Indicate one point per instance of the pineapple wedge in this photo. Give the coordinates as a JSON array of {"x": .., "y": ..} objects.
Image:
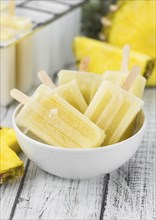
[
  {"x": 8, "y": 136},
  {"x": 11, "y": 167},
  {"x": 104, "y": 56},
  {"x": 134, "y": 23}
]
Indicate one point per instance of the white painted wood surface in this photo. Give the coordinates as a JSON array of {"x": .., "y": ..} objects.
[
  {"x": 128, "y": 193},
  {"x": 131, "y": 189}
]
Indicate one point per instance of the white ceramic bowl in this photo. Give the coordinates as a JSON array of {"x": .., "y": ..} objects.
[{"x": 79, "y": 163}]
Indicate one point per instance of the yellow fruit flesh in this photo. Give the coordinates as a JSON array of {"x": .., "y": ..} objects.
[
  {"x": 8, "y": 136},
  {"x": 134, "y": 23},
  {"x": 104, "y": 56},
  {"x": 11, "y": 166}
]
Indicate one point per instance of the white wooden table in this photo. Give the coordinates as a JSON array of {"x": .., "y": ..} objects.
[{"x": 127, "y": 193}]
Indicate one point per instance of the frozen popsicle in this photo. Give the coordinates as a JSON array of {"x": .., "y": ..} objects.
[
  {"x": 3, "y": 7},
  {"x": 22, "y": 27},
  {"x": 118, "y": 77},
  {"x": 69, "y": 91},
  {"x": 113, "y": 108},
  {"x": 20, "y": 24},
  {"x": 6, "y": 34},
  {"x": 7, "y": 63},
  {"x": 87, "y": 82},
  {"x": 55, "y": 121}
]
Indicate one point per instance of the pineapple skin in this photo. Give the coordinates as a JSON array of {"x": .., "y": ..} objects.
[
  {"x": 104, "y": 56},
  {"x": 133, "y": 22}
]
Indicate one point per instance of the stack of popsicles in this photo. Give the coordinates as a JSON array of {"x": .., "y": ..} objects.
[
  {"x": 85, "y": 110},
  {"x": 16, "y": 57}
]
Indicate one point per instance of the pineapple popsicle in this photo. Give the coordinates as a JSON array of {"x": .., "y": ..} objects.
[
  {"x": 24, "y": 60},
  {"x": 118, "y": 77},
  {"x": 55, "y": 121},
  {"x": 69, "y": 91},
  {"x": 87, "y": 82},
  {"x": 20, "y": 24},
  {"x": 113, "y": 109},
  {"x": 7, "y": 65}
]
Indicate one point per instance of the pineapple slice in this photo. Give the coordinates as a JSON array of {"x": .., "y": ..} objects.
[
  {"x": 8, "y": 136},
  {"x": 104, "y": 56},
  {"x": 132, "y": 22}
]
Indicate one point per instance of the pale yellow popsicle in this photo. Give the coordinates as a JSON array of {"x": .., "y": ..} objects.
[
  {"x": 20, "y": 24},
  {"x": 118, "y": 77},
  {"x": 6, "y": 34},
  {"x": 3, "y": 6},
  {"x": 58, "y": 123},
  {"x": 87, "y": 82},
  {"x": 113, "y": 109},
  {"x": 69, "y": 91}
]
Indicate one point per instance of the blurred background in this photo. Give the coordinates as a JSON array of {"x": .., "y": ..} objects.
[{"x": 54, "y": 34}]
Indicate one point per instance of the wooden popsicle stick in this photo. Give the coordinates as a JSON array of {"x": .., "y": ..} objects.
[
  {"x": 125, "y": 58},
  {"x": 106, "y": 22},
  {"x": 134, "y": 73},
  {"x": 12, "y": 8},
  {"x": 19, "y": 96},
  {"x": 45, "y": 79},
  {"x": 84, "y": 64}
]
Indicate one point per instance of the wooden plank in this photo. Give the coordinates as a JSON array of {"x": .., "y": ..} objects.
[
  {"x": 45, "y": 196},
  {"x": 7, "y": 112},
  {"x": 3, "y": 112},
  {"x": 9, "y": 191},
  {"x": 131, "y": 189}
]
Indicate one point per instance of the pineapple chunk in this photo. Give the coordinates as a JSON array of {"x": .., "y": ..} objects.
[
  {"x": 132, "y": 23},
  {"x": 104, "y": 56},
  {"x": 8, "y": 136}
]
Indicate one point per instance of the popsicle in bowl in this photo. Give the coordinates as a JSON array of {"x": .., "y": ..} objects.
[
  {"x": 55, "y": 121},
  {"x": 118, "y": 77},
  {"x": 69, "y": 91},
  {"x": 114, "y": 109},
  {"x": 87, "y": 82}
]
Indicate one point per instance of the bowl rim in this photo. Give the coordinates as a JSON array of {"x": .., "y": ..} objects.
[{"x": 58, "y": 148}]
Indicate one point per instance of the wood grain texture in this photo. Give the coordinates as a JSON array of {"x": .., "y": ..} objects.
[
  {"x": 6, "y": 116},
  {"x": 45, "y": 196},
  {"x": 9, "y": 191},
  {"x": 131, "y": 189},
  {"x": 9, "y": 194}
]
